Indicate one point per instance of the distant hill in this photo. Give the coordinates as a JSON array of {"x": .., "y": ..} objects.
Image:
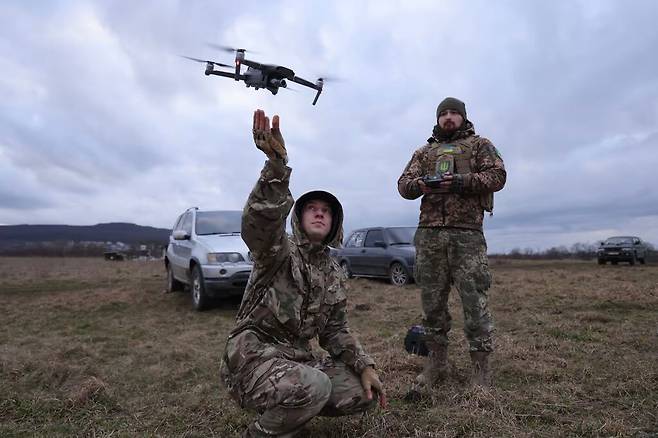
[{"x": 110, "y": 232}]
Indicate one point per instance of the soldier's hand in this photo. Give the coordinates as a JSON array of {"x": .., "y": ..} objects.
[
  {"x": 446, "y": 182},
  {"x": 370, "y": 381},
  {"x": 270, "y": 141},
  {"x": 429, "y": 190}
]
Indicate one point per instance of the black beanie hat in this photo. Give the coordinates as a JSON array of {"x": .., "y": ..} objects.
[{"x": 452, "y": 104}]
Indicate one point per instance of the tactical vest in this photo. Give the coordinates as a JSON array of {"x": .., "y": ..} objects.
[{"x": 455, "y": 157}]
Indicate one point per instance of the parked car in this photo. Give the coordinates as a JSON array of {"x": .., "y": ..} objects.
[
  {"x": 386, "y": 252},
  {"x": 622, "y": 249},
  {"x": 207, "y": 254}
]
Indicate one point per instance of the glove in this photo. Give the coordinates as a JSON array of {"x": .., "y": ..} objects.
[
  {"x": 457, "y": 185},
  {"x": 270, "y": 141}
]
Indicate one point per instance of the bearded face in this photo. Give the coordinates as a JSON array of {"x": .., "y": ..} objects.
[{"x": 450, "y": 120}]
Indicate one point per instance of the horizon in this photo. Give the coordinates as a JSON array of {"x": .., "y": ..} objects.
[{"x": 523, "y": 250}]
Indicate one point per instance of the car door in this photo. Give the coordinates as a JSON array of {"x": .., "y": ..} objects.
[
  {"x": 183, "y": 248},
  {"x": 352, "y": 252},
  {"x": 374, "y": 255},
  {"x": 640, "y": 248}
]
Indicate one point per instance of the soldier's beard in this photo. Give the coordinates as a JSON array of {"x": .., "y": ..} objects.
[{"x": 449, "y": 126}]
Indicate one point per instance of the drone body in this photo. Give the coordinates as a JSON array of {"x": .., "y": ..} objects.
[{"x": 257, "y": 75}]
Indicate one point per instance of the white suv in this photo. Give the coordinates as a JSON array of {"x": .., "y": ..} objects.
[{"x": 207, "y": 254}]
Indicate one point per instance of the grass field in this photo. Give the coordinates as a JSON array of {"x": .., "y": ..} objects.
[{"x": 95, "y": 348}]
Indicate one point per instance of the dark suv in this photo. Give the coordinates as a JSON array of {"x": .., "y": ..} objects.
[
  {"x": 386, "y": 252},
  {"x": 622, "y": 249}
]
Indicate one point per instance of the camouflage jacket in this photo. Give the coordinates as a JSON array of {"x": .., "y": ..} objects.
[
  {"x": 482, "y": 172},
  {"x": 296, "y": 292}
]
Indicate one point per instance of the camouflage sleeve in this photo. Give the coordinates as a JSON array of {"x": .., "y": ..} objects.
[
  {"x": 408, "y": 181},
  {"x": 489, "y": 172},
  {"x": 337, "y": 339},
  {"x": 264, "y": 215}
]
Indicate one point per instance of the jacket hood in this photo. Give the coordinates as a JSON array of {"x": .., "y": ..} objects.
[{"x": 335, "y": 236}]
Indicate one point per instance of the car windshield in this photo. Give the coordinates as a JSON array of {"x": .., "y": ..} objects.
[
  {"x": 218, "y": 222},
  {"x": 401, "y": 235},
  {"x": 619, "y": 240}
]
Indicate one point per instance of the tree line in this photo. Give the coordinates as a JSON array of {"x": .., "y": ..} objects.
[{"x": 582, "y": 251}]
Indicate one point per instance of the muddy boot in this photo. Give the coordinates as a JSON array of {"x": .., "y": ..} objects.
[
  {"x": 435, "y": 370},
  {"x": 481, "y": 373},
  {"x": 436, "y": 365}
]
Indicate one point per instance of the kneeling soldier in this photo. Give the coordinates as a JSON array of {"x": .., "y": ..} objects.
[{"x": 295, "y": 293}]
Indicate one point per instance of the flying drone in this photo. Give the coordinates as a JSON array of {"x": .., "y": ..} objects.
[{"x": 257, "y": 75}]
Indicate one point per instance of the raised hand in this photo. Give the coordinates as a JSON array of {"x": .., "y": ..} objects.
[{"x": 270, "y": 141}]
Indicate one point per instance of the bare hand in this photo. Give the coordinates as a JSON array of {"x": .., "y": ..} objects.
[
  {"x": 270, "y": 141},
  {"x": 370, "y": 381}
]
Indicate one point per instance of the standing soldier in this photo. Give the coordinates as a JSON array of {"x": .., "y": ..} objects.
[
  {"x": 456, "y": 173},
  {"x": 296, "y": 292}
]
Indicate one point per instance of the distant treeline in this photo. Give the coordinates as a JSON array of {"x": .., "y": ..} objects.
[
  {"x": 77, "y": 249},
  {"x": 110, "y": 232},
  {"x": 82, "y": 241},
  {"x": 583, "y": 251}
]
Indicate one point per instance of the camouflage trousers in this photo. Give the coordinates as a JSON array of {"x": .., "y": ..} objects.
[
  {"x": 447, "y": 256},
  {"x": 287, "y": 394}
]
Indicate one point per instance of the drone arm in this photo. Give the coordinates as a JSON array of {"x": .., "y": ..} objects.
[
  {"x": 317, "y": 95},
  {"x": 226, "y": 74},
  {"x": 304, "y": 82}
]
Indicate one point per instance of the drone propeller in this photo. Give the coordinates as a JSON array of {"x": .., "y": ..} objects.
[
  {"x": 218, "y": 64},
  {"x": 229, "y": 49},
  {"x": 330, "y": 78}
]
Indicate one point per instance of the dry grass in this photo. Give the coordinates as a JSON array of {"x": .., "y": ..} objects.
[{"x": 94, "y": 348}]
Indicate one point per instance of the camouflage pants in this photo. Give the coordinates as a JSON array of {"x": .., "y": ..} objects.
[
  {"x": 287, "y": 394},
  {"x": 447, "y": 256}
]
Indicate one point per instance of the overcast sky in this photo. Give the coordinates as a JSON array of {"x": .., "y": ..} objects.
[{"x": 101, "y": 121}]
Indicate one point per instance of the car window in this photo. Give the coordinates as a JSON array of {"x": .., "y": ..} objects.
[
  {"x": 618, "y": 240},
  {"x": 355, "y": 240},
  {"x": 401, "y": 235},
  {"x": 218, "y": 222},
  {"x": 373, "y": 236},
  {"x": 187, "y": 223}
]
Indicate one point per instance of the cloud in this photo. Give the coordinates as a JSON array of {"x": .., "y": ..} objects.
[{"x": 101, "y": 120}]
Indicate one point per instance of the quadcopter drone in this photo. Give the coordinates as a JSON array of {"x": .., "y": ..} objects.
[{"x": 257, "y": 75}]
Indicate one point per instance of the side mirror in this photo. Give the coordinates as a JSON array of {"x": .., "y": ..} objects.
[
  {"x": 380, "y": 244},
  {"x": 180, "y": 235}
]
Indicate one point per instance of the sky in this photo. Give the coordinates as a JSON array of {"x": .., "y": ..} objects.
[{"x": 102, "y": 121}]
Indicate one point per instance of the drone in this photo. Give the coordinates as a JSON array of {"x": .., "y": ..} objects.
[{"x": 267, "y": 76}]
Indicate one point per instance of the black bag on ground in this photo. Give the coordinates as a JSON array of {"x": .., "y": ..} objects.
[{"x": 414, "y": 341}]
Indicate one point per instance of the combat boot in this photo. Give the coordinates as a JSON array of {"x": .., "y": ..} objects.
[
  {"x": 481, "y": 375},
  {"x": 434, "y": 370},
  {"x": 436, "y": 365}
]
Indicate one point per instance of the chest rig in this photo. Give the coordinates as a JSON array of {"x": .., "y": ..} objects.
[{"x": 455, "y": 157}]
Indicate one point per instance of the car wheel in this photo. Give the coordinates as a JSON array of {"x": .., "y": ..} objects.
[
  {"x": 642, "y": 261},
  {"x": 397, "y": 274},
  {"x": 199, "y": 298},
  {"x": 601, "y": 262},
  {"x": 346, "y": 269},
  {"x": 614, "y": 262},
  {"x": 173, "y": 285},
  {"x": 632, "y": 260}
]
